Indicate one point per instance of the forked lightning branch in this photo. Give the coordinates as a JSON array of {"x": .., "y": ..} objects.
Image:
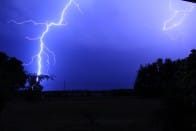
[
  {"x": 178, "y": 16},
  {"x": 44, "y": 52}
]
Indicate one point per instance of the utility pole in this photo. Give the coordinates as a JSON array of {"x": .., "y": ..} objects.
[{"x": 64, "y": 85}]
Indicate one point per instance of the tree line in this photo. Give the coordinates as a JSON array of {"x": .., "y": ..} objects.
[
  {"x": 167, "y": 78},
  {"x": 174, "y": 83}
]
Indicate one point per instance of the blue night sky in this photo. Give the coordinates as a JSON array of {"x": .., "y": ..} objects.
[{"x": 101, "y": 48}]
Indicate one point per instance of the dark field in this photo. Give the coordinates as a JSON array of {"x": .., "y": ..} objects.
[{"x": 82, "y": 114}]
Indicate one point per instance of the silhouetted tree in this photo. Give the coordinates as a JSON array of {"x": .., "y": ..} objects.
[
  {"x": 148, "y": 80},
  {"x": 168, "y": 78},
  {"x": 12, "y": 77},
  {"x": 34, "y": 81},
  {"x": 34, "y": 85},
  {"x": 175, "y": 82},
  {"x": 191, "y": 70}
]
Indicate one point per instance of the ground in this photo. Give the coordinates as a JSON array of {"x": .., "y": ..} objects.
[{"x": 81, "y": 114}]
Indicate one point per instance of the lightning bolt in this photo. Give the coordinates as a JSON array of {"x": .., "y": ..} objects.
[
  {"x": 43, "y": 49},
  {"x": 171, "y": 22}
]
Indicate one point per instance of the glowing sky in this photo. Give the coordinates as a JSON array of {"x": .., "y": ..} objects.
[{"x": 101, "y": 48}]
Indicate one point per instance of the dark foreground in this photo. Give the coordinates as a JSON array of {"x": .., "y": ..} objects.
[{"x": 82, "y": 114}]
